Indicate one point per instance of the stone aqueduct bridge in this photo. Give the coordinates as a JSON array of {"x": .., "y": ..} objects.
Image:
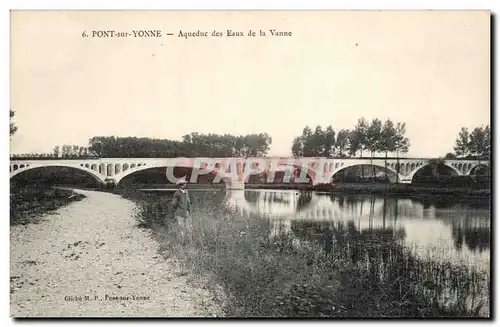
[{"x": 318, "y": 170}]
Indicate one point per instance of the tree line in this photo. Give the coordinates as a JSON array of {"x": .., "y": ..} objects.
[
  {"x": 192, "y": 145},
  {"x": 64, "y": 151},
  {"x": 13, "y": 127},
  {"x": 472, "y": 145},
  {"x": 374, "y": 137}
]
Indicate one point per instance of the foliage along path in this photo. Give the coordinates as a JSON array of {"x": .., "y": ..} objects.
[{"x": 94, "y": 248}]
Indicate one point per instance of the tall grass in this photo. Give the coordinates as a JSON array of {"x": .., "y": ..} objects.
[
  {"x": 385, "y": 278},
  {"x": 335, "y": 271}
]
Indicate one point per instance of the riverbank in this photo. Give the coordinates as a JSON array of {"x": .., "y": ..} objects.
[
  {"x": 94, "y": 248},
  {"x": 350, "y": 188},
  {"x": 375, "y": 188},
  {"x": 266, "y": 270},
  {"x": 29, "y": 203}
]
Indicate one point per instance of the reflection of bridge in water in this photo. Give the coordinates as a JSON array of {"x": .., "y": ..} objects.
[
  {"x": 460, "y": 227},
  {"x": 293, "y": 205}
]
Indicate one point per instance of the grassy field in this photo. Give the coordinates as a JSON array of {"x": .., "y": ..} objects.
[{"x": 335, "y": 271}]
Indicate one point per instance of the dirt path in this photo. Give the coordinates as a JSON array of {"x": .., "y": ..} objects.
[{"x": 93, "y": 248}]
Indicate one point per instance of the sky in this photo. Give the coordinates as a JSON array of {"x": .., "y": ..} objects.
[{"x": 430, "y": 69}]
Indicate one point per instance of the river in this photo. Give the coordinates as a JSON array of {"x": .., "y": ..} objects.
[
  {"x": 457, "y": 230},
  {"x": 447, "y": 234},
  {"x": 448, "y": 229}
]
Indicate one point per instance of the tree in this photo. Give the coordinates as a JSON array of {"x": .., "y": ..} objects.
[
  {"x": 450, "y": 155},
  {"x": 487, "y": 142},
  {"x": 257, "y": 144},
  {"x": 13, "y": 127},
  {"x": 56, "y": 151},
  {"x": 476, "y": 142},
  {"x": 462, "y": 145},
  {"x": 239, "y": 146},
  {"x": 360, "y": 130},
  {"x": 307, "y": 142},
  {"x": 96, "y": 145},
  {"x": 318, "y": 142},
  {"x": 388, "y": 138},
  {"x": 74, "y": 151},
  {"x": 354, "y": 142},
  {"x": 297, "y": 147},
  {"x": 401, "y": 144},
  {"x": 66, "y": 151},
  {"x": 373, "y": 139},
  {"x": 329, "y": 142},
  {"x": 479, "y": 142},
  {"x": 342, "y": 142}
]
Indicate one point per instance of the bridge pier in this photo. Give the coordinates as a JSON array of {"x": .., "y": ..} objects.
[{"x": 236, "y": 185}]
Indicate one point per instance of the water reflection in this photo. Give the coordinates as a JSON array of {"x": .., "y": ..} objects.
[
  {"x": 444, "y": 228},
  {"x": 474, "y": 234}
]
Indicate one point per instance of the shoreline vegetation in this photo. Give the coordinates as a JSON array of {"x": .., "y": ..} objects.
[
  {"x": 29, "y": 202},
  {"x": 389, "y": 189},
  {"x": 358, "y": 188},
  {"x": 338, "y": 271}
]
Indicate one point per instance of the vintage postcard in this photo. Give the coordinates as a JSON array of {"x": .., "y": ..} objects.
[{"x": 321, "y": 164}]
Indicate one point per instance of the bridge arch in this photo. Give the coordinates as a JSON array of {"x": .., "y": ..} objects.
[
  {"x": 476, "y": 167},
  {"x": 95, "y": 175},
  {"x": 455, "y": 170},
  {"x": 449, "y": 166},
  {"x": 134, "y": 169},
  {"x": 392, "y": 176}
]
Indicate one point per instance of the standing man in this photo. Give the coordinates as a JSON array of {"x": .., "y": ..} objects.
[{"x": 181, "y": 205}]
